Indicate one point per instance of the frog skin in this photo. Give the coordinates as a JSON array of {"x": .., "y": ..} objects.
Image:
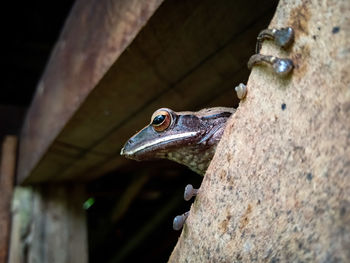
[{"x": 189, "y": 138}]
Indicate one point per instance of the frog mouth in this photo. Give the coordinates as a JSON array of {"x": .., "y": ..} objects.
[{"x": 159, "y": 141}]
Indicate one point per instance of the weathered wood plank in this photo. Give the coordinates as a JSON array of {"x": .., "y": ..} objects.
[
  {"x": 7, "y": 177},
  {"x": 95, "y": 34},
  {"x": 22, "y": 210},
  {"x": 49, "y": 225}
]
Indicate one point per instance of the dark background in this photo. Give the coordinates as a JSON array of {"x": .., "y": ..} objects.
[{"x": 31, "y": 29}]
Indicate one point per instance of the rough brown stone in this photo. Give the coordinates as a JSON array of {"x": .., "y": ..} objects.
[{"x": 278, "y": 188}]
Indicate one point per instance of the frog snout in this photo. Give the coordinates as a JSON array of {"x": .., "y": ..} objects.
[
  {"x": 128, "y": 147},
  {"x": 124, "y": 150}
]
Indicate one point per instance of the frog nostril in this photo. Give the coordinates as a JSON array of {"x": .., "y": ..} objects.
[
  {"x": 131, "y": 142},
  {"x": 126, "y": 148}
]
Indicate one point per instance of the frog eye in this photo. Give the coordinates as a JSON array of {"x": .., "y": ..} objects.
[{"x": 161, "y": 120}]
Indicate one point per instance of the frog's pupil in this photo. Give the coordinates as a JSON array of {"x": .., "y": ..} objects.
[{"x": 158, "y": 119}]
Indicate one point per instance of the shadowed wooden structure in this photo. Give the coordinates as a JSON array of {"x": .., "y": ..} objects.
[{"x": 7, "y": 177}]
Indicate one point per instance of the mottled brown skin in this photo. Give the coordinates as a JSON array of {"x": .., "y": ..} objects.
[{"x": 190, "y": 138}]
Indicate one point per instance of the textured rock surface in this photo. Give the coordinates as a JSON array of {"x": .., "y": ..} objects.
[{"x": 278, "y": 188}]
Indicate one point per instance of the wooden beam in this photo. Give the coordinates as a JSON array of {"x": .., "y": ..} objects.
[
  {"x": 189, "y": 53},
  {"x": 49, "y": 225},
  {"x": 95, "y": 34},
  {"x": 7, "y": 176}
]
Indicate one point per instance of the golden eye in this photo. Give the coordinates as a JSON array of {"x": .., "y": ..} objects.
[{"x": 161, "y": 120}]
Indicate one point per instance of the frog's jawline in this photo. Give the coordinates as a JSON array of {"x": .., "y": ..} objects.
[{"x": 162, "y": 140}]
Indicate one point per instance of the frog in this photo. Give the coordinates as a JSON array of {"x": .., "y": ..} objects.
[{"x": 188, "y": 137}]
